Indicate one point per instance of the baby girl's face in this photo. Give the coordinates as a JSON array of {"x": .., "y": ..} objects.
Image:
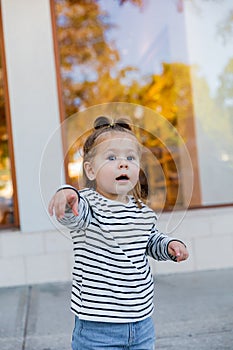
[{"x": 115, "y": 166}]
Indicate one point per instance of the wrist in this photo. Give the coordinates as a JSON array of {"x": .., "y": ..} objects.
[{"x": 68, "y": 187}]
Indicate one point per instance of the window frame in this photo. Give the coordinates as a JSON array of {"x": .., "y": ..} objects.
[{"x": 16, "y": 223}]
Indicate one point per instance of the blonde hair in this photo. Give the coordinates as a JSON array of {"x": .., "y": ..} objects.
[{"x": 104, "y": 125}]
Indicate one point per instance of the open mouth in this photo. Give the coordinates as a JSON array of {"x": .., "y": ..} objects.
[{"x": 122, "y": 178}]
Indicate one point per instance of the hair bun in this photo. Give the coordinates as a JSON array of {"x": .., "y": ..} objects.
[
  {"x": 101, "y": 122},
  {"x": 118, "y": 124},
  {"x": 124, "y": 122}
]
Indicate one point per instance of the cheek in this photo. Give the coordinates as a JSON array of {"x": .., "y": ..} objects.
[
  {"x": 136, "y": 169},
  {"x": 105, "y": 169}
]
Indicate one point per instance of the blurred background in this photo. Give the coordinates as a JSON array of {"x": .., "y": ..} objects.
[{"x": 170, "y": 65}]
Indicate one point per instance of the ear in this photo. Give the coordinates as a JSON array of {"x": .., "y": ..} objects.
[{"x": 89, "y": 171}]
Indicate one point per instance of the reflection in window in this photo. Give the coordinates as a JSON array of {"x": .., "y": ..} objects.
[
  {"x": 6, "y": 187},
  {"x": 114, "y": 51},
  {"x": 212, "y": 85},
  {"x": 136, "y": 51}
]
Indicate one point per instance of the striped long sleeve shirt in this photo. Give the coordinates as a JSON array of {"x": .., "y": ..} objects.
[{"x": 112, "y": 280}]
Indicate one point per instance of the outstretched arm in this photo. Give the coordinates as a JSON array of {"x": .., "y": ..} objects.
[
  {"x": 61, "y": 199},
  {"x": 70, "y": 208}
]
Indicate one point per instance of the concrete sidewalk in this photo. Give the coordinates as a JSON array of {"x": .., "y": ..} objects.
[{"x": 192, "y": 311}]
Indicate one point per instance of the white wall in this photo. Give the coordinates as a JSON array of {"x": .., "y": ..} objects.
[
  {"x": 208, "y": 234},
  {"x": 41, "y": 257},
  {"x": 34, "y": 106}
]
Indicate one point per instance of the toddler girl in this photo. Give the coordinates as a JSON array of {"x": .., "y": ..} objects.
[{"x": 113, "y": 232}]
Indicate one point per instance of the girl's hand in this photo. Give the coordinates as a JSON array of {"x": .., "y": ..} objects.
[
  {"x": 178, "y": 249},
  {"x": 57, "y": 204}
]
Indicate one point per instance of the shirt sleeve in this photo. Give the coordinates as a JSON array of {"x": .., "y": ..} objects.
[
  {"x": 157, "y": 246},
  {"x": 82, "y": 220}
]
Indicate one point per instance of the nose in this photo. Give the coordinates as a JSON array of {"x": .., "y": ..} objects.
[{"x": 123, "y": 164}]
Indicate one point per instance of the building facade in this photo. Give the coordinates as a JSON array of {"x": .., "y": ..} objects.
[{"x": 181, "y": 49}]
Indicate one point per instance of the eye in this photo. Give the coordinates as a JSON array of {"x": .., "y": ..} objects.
[
  {"x": 130, "y": 158},
  {"x": 111, "y": 157}
]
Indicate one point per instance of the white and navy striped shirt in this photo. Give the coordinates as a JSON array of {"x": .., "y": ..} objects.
[{"x": 112, "y": 280}]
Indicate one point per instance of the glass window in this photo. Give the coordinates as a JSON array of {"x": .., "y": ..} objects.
[
  {"x": 209, "y": 28},
  {"x": 143, "y": 52},
  {"x": 8, "y": 210}
]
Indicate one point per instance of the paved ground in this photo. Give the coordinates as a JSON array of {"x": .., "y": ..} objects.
[{"x": 193, "y": 311}]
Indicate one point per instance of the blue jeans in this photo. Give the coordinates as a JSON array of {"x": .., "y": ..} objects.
[{"x": 89, "y": 335}]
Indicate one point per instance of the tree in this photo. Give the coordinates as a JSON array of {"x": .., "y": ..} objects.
[{"x": 87, "y": 59}]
